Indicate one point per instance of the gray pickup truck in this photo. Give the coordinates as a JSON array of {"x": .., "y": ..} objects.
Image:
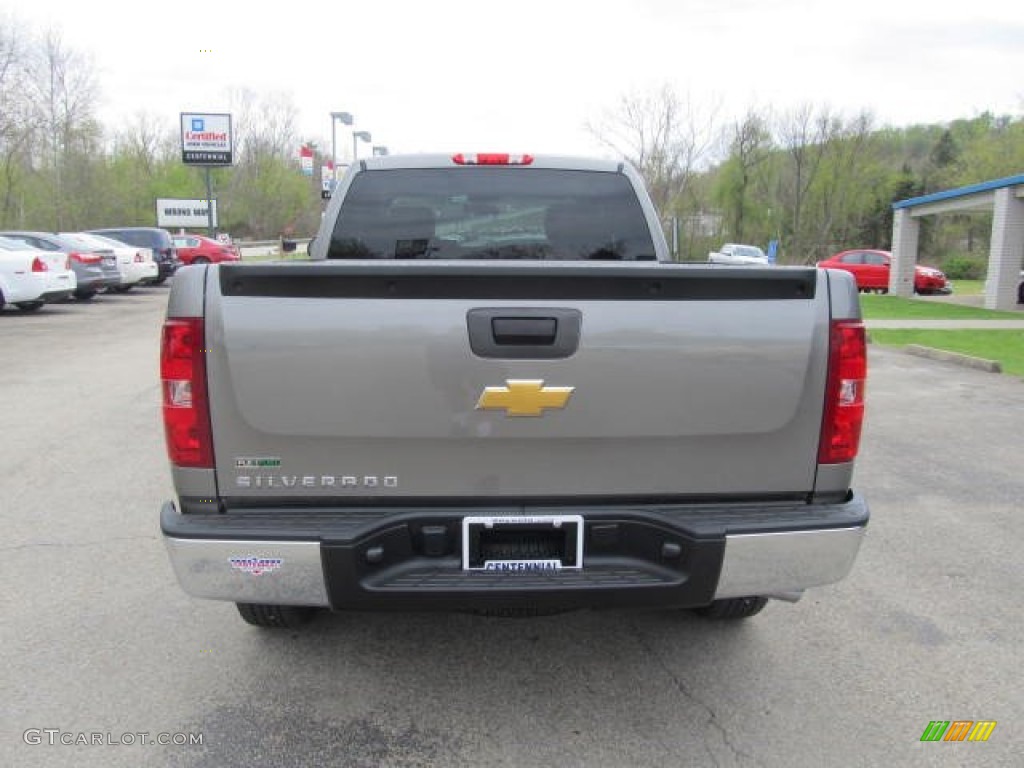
[{"x": 490, "y": 389}]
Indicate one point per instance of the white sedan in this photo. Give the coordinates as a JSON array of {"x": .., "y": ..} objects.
[
  {"x": 134, "y": 264},
  {"x": 739, "y": 256},
  {"x": 30, "y": 277}
]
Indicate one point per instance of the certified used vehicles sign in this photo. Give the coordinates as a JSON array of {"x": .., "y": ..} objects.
[{"x": 206, "y": 139}]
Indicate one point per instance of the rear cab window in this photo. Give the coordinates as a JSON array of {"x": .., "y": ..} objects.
[{"x": 491, "y": 213}]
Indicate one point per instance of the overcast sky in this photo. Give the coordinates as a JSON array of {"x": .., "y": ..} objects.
[{"x": 528, "y": 75}]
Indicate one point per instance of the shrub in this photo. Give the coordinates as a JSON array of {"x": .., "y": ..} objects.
[{"x": 964, "y": 267}]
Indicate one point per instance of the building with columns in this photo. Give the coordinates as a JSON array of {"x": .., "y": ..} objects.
[{"x": 1004, "y": 197}]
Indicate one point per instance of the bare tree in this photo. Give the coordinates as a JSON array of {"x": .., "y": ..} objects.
[
  {"x": 664, "y": 135},
  {"x": 263, "y": 125},
  {"x": 63, "y": 92},
  {"x": 141, "y": 150},
  {"x": 15, "y": 114},
  {"x": 144, "y": 140},
  {"x": 266, "y": 193},
  {"x": 803, "y": 136},
  {"x": 846, "y": 150}
]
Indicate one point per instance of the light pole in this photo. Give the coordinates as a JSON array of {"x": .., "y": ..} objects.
[
  {"x": 346, "y": 119},
  {"x": 357, "y": 135}
]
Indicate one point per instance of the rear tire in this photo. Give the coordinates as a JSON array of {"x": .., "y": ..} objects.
[
  {"x": 29, "y": 306},
  {"x": 275, "y": 616},
  {"x": 200, "y": 260},
  {"x": 733, "y": 608}
]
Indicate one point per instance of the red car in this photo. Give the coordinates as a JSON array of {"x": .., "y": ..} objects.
[
  {"x": 871, "y": 270},
  {"x": 197, "y": 249}
]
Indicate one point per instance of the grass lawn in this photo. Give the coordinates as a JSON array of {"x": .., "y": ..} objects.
[
  {"x": 968, "y": 287},
  {"x": 879, "y": 307},
  {"x": 1005, "y": 346}
]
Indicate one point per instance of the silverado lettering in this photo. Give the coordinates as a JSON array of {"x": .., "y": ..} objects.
[{"x": 310, "y": 481}]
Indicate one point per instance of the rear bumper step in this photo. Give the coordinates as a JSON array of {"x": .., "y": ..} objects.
[{"x": 409, "y": 560}]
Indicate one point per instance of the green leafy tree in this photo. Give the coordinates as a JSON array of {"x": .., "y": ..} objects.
[{"x": 743, "y": 177}]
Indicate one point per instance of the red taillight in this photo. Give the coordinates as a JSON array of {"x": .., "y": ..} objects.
[
  {"x": 183, "y": 383},
  {"x": 844, "y": 392},
  {"x": 85, "y": 258},
  {"x": 38, "y": 265},
  {"x": 491, "y": 158}
]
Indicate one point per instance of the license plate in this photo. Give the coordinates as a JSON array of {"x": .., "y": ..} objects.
[
  {"x": 511, "y": 544},
  {"x": 108, "y": 261}
]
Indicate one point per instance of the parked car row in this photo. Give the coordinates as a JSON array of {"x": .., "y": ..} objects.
[
  {"x": 40, "y": 267},
  {"x": 158, "y": 241}
]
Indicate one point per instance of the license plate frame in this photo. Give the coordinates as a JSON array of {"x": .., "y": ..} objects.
[{"x": 480, "y": 532}]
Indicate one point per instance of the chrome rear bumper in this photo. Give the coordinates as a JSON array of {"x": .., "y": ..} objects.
[
  {"x": 774, "y": 564},
  {"x": 292, "y": 573},
  {"x": 659, "y": 556}
]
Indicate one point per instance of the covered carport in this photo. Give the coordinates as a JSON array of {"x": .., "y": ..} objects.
[{"x": 1004, "y": 197}]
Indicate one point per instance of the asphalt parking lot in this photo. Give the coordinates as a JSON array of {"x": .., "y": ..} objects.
[{"x": 97, "y": 638}]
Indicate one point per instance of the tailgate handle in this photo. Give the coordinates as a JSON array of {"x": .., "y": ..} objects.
[
  {"x": 524, "y": 333},
  {"x": 524, "y": 330}
]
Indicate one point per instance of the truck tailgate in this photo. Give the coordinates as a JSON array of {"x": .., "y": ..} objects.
[{"x": 360, "y": 380}]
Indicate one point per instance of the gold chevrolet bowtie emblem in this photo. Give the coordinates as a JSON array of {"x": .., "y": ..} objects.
[{"x": 524, "y": 397}]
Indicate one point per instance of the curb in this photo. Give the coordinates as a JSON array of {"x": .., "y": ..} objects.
[{"x": 978, "y": 363}]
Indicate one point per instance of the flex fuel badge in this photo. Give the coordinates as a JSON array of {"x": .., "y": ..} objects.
[{"x": 258, "y": 462}]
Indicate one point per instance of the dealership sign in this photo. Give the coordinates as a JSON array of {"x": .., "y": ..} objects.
[
  {"x": 206, "y": 139},
  {"x": 184, "y": 213},
  {"x": 306, "y": 160}
]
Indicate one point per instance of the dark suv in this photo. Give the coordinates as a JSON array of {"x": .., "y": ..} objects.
[{"x": 156, "y": 239}]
